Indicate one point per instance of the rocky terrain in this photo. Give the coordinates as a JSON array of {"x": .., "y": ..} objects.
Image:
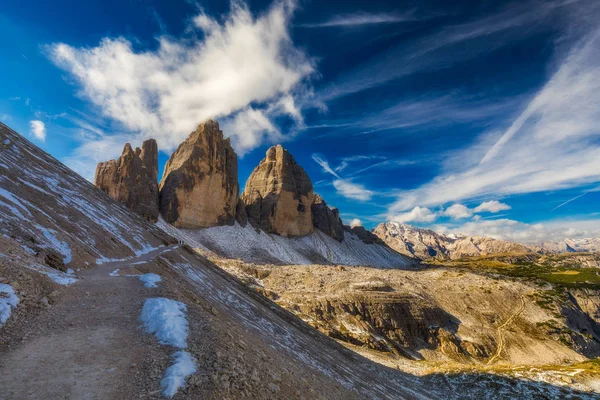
[
  {"x": 279, "y": 195},
  {"x": 132, "y": 179},
  {"x": 426, "y": 244},
  {"x": 199, "y": 186},
  {"x": 74, "y": 334},
  {"x": 257, "y": 246},
  {"x": 439, "y": 318},
  {"x": 98, "y": 302}
]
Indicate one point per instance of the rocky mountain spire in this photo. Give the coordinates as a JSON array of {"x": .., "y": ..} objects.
[
  {"x": 279, "y": 194},
  {"x": 327, "y": 219},
  {"x": 200, "y": 186},
  {"x": 132, "y": 178}
]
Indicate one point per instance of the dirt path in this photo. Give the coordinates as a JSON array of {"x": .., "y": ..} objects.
[
  {"x": 503, "y": 326},
  {"x": 87, "y": 346}
]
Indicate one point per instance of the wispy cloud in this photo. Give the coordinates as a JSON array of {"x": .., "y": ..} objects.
[
  {"x": 344, "y": 187},
  {"x": 352, "y": 190},
  {"x": 597, "y": 188},
  {"x": 244, "y": 68},
  {"x": 552, "y": 144},
  {"x": 361, "y": 19},
  {"x": 450, "y": 45},
  {"x": 325, "y": 165}
]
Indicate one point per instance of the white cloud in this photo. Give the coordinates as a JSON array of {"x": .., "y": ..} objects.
[
  {"x": 244, "y": 68},
  {"x": 352, "y": 190},
  {"x": 458, "y": 211},
  {"x": 38, "y": 129},
  {"x": 355, "y": 222},
  {"x": 508, "y": 229},
  {"x": 552, "y": 145},
  {"x": 5, "y": 117},
  {"x": 361, "y": 18},
  {"x": 417, "y": 214},
  {"x": 492, "y": 206}
]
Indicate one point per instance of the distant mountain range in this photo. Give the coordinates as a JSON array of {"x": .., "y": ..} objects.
[{"x": 426, "y": 244}]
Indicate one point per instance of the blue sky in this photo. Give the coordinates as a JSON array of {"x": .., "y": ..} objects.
[{"x": 480, "y": 117}]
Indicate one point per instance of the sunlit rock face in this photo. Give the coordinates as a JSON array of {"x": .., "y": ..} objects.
[
  {"x": 279, "y": 194},
  {"x": 200, "y": 187}
]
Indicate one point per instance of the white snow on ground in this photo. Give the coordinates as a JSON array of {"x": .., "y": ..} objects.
[
  {"x": 62, "y": 247},
  {"x": 317, "y": 248},
  {"x": 62, "y": 278},
  {"x": 138, "y": 253},
  {"x": 114, "y": 273},
  {"x": 166, "y": 319},
  {"x": 8, "y": 301},
  {"x": 150, "y": 280},
  {"x": 183, "y": 366}
]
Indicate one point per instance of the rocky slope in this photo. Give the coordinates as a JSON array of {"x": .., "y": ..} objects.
[
  {"x": 436, "y": 314},
  {"x": 199, "y": 187},
  {"x": 132, "y": 179},
  {"x": 426, "y": 244},
  {"x": 248, "y": 244},
  {"x": 83, "y": 339},
  {"x": 279, "y": 194},
  {"x": 571, "y": 245}
]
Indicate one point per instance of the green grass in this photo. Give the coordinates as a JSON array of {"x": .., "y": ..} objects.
[{"x": 561, "y": 270}]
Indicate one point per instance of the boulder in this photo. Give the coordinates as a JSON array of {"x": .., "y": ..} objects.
[
  {"x": 327, "y": 219},
  {"x": 199, "y": 188},
  {"x": 279, "y": 194},
  {"x": 132, "y": 179}
]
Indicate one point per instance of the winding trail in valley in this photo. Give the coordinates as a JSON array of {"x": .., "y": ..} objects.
[{"x": 503, "y": 327}]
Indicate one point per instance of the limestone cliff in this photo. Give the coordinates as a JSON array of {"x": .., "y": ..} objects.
[
  {"x": 279, "y": 195},
  {"x": 199, "y": 187},
  {"x": 132, "y": 179}
]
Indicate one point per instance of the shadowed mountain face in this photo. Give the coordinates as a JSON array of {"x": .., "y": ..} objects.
[{"x": 132, "y": 179}]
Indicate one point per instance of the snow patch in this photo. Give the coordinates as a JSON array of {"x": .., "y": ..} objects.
[
  {"x": 62, "y": 247},
  {"x": 166, "y": 319},
  {"x": 8, "y": 301},
  {"x": 150, "y": 280},
  {"x": 183, "y": 366},
  {"x": 63, "y": 278},
  {"x": 114, "y": 273}
]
